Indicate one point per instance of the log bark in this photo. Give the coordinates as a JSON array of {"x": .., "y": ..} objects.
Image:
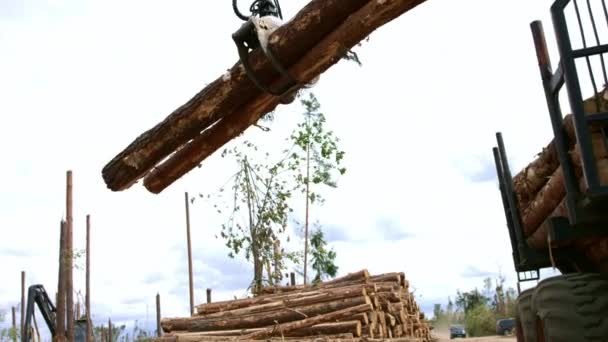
[
  {"x": 349, "y": 279},
  {"x": 538, "y": 239},
  {"x": 388, "y": 277},
  {"x": 326, "y": 53},
  {"x": 534, "y": 176},
  {"x": 227, "y": 93},
  {"x": 545, "y": 201},
  {"x": 308, "y": 322},
  {"x": 192, "y": 337},
  {"x": 353, "y": 327},
  {"x": 329, "y": 296},
  {"x": 257, "y": 320},
  {"x": 385, "y": 297},
  {"x": 344, "y": 329},
  {"x": 291, "y": 299}
]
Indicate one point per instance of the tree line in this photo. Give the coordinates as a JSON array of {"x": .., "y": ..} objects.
[{"x": 478, "y": 309}]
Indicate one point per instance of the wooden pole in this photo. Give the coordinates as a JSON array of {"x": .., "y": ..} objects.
[
  {"x": 189, "y": 255},
  {"x": 293, "y": 278},
  {"x": 70, "y": 259},
  {"x": 77, "y": 313},
  {"x": 22, "y": 301},
  {"x": 109, "y": 330},
  {"x": 14, "y": 325},
  {"x": 87, "y": 303},
  {"x": 307, "y": 213},
  {"x": 208, "y": 295},
  {"x": 61, "y": 285},
  {"x": 159, "y": 332}
]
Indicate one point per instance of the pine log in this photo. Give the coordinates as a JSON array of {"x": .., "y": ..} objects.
[
  {"x": 361, "y": 317},
  {"x": 546, "y": 200},
  {"x": 368, "y": 331},
  {"x": 341, "y": 327},
  {"x": 344, "y": 329},
  {"x": 256, "y": 320},
  {"x": 354, "y": 278},
  {"x": 535, "y": 175},
  {"x": 195, "y": 337},
  {"x": 224, "y": 95},
  {"x": 392, "y": 297},
  {"x": 538, "y": 239},
  {"x": 327, "y": 52},
  {"x": 292, "y": 298},
  {"x": 308, "y": 322},
  {"x": 390, "y": 277},
  {"x": 329, "y": 296},
  {"x": 387, "y": 286},
  {"x": 382, "y": 323}
]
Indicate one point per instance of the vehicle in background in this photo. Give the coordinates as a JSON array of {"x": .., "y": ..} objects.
[
  {"x": 505, "y": 326},
  {"x": 457, "y": 330}
]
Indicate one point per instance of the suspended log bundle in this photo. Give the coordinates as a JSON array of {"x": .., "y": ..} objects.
[
  {"x": 540, "y": 188},
  {"x": 358, "y": 306},
  {"x": 307, "y": 45}
]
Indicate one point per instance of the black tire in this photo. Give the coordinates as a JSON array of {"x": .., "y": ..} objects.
[
  {"x": 572, "y": 307},
  {"x": 525, "y": 317}
]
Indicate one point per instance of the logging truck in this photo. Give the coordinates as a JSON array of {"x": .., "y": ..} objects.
[{"x": 556, "y": 208}]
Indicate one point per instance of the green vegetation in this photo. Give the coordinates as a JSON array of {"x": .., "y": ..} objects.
[
  {"x": 323, "y": 260},
  {"x": 478, "y": 310},
  {"x": 260, "y": 195},
  {"x": 8, "y": 334}
]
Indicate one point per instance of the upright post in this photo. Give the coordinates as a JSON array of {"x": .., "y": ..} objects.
[
  {"x": 208, "y": 295},
  {"x": 87, "y": 300},
  {"x": 189, "y": 255},
  {"x": 22, "y": 301},
  {"x": 293, "y": 278},
  {"x": 61, "y": 284},
  {"x": 14, "y": 325},
  {"x": 109, "y": 330},
  {"x": 70, "y": 259},
  {"x": 158, "y": 329}
]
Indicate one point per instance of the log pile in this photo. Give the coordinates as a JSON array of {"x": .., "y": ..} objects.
[
  {"x": 357, "y": 306},
  {"x": 540, "y": 189},
  {"x": 307, "y": 45}
]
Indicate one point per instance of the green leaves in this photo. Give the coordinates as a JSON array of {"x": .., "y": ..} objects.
[
  {"x": 257, "y": 198},
  {"x": 316, "y": 158},
  {"x": 323, "y": 260}
]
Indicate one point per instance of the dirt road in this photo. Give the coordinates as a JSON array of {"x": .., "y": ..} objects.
[{"x": 446, "y": 338}]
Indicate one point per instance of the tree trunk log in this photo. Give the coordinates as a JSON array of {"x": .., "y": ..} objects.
[
  {"x": 262, "y": 319},
  {"x": 194, "y": 337},
  {"x": 308, "y": 322},
  {"x": 290, "y": 299},
  {"x": 330, "y": 296},
  {"x": 343, "y": 328},
  {"x": 534, "y": 176},
  {"x": 545, "y": 201},
  {"x": 538, "y": 239},
  {"x": 227, "y": 93},
  {"x": 349, "y": 279},
  {"x": 320, "y": 58},
  {"x": 353, "y": 327}
]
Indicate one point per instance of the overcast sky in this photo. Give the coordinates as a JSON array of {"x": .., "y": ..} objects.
[{"x": 79, "y": 80}]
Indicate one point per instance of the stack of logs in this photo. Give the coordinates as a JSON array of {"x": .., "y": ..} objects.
[
  {"x": 354, "y": 307},
  {"x": 540, "y": 188}
]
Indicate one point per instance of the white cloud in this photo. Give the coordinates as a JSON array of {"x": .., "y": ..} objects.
[{"x": 80, "y": 80}]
